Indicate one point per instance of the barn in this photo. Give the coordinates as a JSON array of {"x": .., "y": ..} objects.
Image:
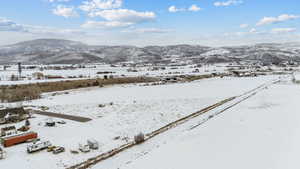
[{"x": 8, "y": 141}]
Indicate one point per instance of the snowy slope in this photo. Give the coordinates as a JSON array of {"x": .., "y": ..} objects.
[{"x": 56, "y": 51}]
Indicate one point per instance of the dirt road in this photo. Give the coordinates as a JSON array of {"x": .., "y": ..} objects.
[{"x": 62, "y": 116}]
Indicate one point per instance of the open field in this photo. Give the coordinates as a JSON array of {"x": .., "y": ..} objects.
[
  {"x": 99, "y": 71},
  {"x": 136, "y": 108},
  {"x": 226, "y": 104},
  {"x": 259, "y": 133},
  {"x": 92, "y": 71}
]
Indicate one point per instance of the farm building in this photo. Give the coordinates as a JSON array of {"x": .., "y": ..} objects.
[
  {"x": 10, "y": 130},
  {"x": 38, "y": 75},
  {"x": 8, "y": 115},
  {"x": 12, "y": 140}
]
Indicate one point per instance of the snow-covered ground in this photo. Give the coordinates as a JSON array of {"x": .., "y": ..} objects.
[
  {"x": 135, "y": 109},
  {"x": 262, "y": 132},
  {"x": 91, "y": 72}
]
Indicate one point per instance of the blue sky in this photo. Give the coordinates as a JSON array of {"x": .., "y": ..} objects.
[{"x": 151, "y": 22}]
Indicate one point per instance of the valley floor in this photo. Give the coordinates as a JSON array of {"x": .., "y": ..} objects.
[
  {"x": 258, "y": 133},
  {"x": 262, "y": 132}
]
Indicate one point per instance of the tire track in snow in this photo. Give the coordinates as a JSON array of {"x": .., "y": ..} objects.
[{"x": 241, "y": 98}]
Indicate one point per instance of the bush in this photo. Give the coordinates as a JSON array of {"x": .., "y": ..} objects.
[
  {"x": 140, "y": 138},
  {"x": 22, "y": 92}
]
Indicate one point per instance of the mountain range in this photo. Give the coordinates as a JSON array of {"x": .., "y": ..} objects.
[{"x": 57, "y": 51}]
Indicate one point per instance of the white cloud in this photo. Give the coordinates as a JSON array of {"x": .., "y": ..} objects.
[
  {"x": 51, "y": 31},
  {"x": 125, "y": 15},
  {"x": 281, "y": 18},
  {"x": 97, "y": 5},
  {"x": 117, "y": 18},
  {"x": 256, "y": 33},
  {"x": 175, "y": 9},
  {"x": 147, "y": 30},
  {"x": 228, "y": 3},
  {"x": 244, "y": 26},
  {"x": 64, "y": 11},
  {"x": 105, "y": 24},
  {"x": 283, "y": 30},
  {"x": 10, "y": 26},
  {"x": 114, "y": 16},
  {"x": 194, "y": 8},
  {"x": 253, "y": 30}
]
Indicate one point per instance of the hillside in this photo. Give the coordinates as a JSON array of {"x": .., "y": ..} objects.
[{"x": 56, "y": 51}]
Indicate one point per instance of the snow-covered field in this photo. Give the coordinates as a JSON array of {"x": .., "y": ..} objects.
[
  {"x": 91, "y": 72},
  {"x": 262, "y": 132},
  {"x": 135, "y": 109}
]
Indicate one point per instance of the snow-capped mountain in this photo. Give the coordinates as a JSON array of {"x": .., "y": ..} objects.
[{"x": 52, "y": 51}]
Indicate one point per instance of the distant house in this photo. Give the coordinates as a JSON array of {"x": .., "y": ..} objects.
[
  {"x": 38, "y": 75},
  {"x": 12, "y": 115}
]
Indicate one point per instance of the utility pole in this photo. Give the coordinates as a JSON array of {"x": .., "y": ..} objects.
[{"x": 20, "y": 70}]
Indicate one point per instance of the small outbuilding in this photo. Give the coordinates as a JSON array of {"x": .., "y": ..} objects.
[{"x": 38, "y": 75}]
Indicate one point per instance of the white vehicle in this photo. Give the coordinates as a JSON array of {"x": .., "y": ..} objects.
[
  {"x": 37, "y": 146},
  {"x": 84, "y": 148},
  {"x": 58, "y": 150},
  {"x": 93, "y": 144}
]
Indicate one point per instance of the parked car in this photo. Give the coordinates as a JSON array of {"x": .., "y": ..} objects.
[
  {"x": 84, "y": 148},
  {"x": 93, "y": 144},
  {"x": 38, "y": 146},
  {"x": 61, "y": 122},
  {"x": 50, "y": 122},
  {"x": 51, "y": 148},
  {"x": 58, "y": 150}
]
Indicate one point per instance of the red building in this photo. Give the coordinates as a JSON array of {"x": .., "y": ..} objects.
[{"x": 17, "y": 139}]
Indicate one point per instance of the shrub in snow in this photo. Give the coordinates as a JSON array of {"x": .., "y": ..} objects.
[{"x": 139, "y": 138}]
